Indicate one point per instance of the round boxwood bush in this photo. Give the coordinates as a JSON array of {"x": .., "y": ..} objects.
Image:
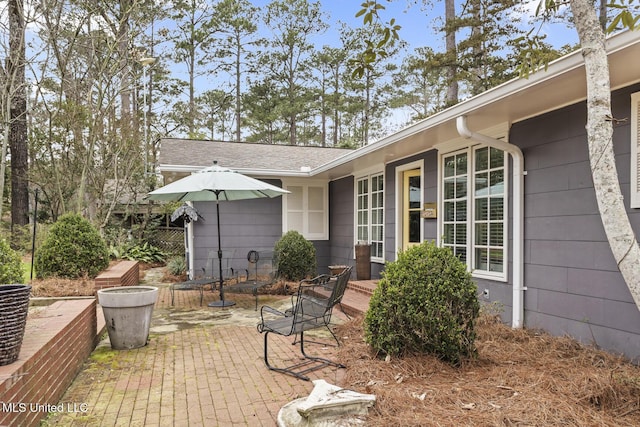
[
  {"x": 295, "y": 256},
  {"x": 10, "y": 265},
  {"x": 426, "y": 302},
  {"x": 72, "y": 249}
]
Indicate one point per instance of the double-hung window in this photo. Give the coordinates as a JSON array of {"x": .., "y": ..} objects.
[
  {"x": 370, "y": 213},
  {"x": 474, "y": 204}
]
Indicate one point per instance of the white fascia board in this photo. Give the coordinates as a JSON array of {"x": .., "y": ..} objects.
[{"x": 245, "y": 171}]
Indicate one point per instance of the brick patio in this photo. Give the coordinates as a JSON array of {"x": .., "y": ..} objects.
[{"x": 202, "y": 373}]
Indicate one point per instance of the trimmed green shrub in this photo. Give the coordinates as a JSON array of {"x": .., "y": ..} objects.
[
  {"x": 295, "y": 256},
  {"x": 10, "y": 265},
  {"x": 426, "y": 302},
  {"x": 73, "y": 248}
]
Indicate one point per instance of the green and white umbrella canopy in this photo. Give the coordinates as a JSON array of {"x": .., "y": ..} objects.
[{"x": 214, "y": 184}]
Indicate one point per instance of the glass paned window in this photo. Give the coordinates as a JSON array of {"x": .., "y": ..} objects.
[
  {"x": 370, "y": 213},
  {"x": 455, "y": 203},
  {"x": 474, "y": 222}
]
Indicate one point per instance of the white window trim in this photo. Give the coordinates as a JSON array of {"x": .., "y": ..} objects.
[
  {"x": 634, "y": 177},
  {"x": 324, "y": 235},
  {"x": 368, "y": 175},
  {"x": 480, "y": 274}
]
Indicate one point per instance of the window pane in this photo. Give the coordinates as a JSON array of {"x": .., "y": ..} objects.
[
  {"x": 294, "y": 199},
  {"x": 497, "y": 182},
  {"x": 497, "y": 208},
  {"x": 482, "y": 183},
  {"x": 363, "y": 234},
  {"x": 482, "y": 213},
  {"x": 481, "y": 234},
  {"x": 363, "y": 186},
  {"x": 482, "y": 259},
  {"x": 449, "y": 232},
  {"x": 496, "y": 260},
  {"x": 450, "y": 166},
  {"x": 378, "y": 183},
  {"x": 363, "y": 202},
  {"x": 376, "y": 234},
  {"x": 316, "y": 224},
  {"x": 461, "y": 252},
  {"x": 376, "y": 250},
  {"x": 461, "y": 187},
  {"x": 364, "y": 217},
  {"x": 461, "y": 164},
  {"x": 375, "y": 200},
  {"x": 461, "y": 211},
  {"x": 316, "y": 198},
  {"x": 414, "y": 226},
  {"x": 461, "y": 234},
  {"x": 497, "y": 234},
  {"x": 449, "y": 211},
  {"x": 449, "y": 189},
  {"x": 414, "y": 192},
  {"x": 295, "y": 221},
  {"x": 497, "y": 158},
  {"x": 482, "y": 159}
]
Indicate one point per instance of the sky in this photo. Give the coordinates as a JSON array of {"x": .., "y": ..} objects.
[{"x": 417, "y": 21}]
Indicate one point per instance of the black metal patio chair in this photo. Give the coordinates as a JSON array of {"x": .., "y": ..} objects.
[{"x": 311, "y": 308}]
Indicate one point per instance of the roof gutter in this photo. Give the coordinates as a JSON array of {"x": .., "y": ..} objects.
[{"x": 518, "y": 213}]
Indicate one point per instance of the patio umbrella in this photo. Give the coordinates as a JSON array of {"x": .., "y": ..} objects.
[
  {"x": 216, "y": 183},
  {"x": 187, "y": 213}
]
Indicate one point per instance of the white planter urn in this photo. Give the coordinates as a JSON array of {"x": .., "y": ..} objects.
[{"x": 127, "y": 313}]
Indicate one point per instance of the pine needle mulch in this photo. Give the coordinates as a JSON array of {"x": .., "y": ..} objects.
[{"x": 520, "y": 378}]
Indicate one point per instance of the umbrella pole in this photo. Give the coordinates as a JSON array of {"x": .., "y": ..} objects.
[{"x": 222, "y": 302}]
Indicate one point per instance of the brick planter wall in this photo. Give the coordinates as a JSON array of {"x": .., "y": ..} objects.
[
  {"x": 57, "y": 342},
  {"x": 124, "y": 273}
]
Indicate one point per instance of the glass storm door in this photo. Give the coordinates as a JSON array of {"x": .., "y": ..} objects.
[{"x": 411, "y": 206}]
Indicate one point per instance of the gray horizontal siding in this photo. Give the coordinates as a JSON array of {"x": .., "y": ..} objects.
[
  {"x": 573, "y": 283},
  {"x": 245, "y": 225}
]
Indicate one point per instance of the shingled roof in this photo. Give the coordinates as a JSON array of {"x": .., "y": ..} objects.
[{"x": 187, "y": 154}]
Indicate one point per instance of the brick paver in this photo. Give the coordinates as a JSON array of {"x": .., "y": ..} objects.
[{"x": 209, "y": 374}]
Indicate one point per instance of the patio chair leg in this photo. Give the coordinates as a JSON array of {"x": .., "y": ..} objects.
[
  {"x": 295, "y": 339},
  {"x": 313, "y": 362},
  {"x": 344, "y": 312}
]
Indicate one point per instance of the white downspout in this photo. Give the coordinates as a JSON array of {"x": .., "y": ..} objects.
[{"x": 518, "y": 213}]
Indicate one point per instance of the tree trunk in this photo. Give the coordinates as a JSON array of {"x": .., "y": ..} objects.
[
  {"x": 238, "y": 92},
  {"x": 18, "y": 119},
  {"x": 450, "y": 46},
  {"x": 599, "y": 127}
]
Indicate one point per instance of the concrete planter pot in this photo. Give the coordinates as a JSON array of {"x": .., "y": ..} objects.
[
  {"x": 14, "y": 307},
  {"x": 337, "y": 269},
  {"x": 127, "y": 313}
]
